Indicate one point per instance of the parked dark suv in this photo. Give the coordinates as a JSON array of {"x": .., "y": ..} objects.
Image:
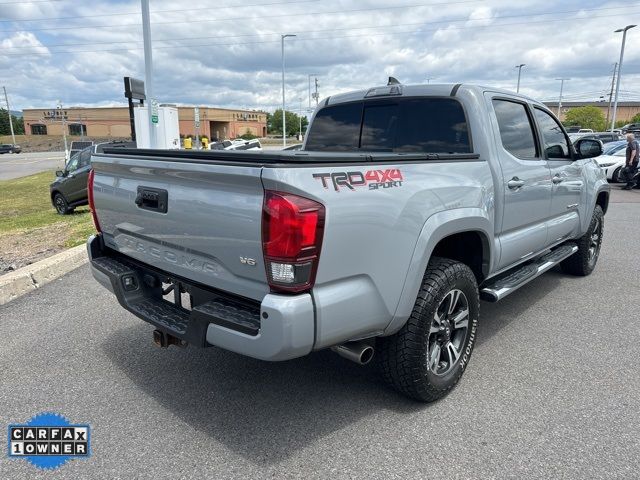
[
  {"x": 69, "y": 189},
  {"x": 10, "y": 148}
]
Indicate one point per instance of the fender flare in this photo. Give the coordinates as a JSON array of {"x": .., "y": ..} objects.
[
  {"x": 437, "y": 227},
  {"x": 605, "y": 188}
]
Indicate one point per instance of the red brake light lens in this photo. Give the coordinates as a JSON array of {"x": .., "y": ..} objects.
[
  {"x": 92, "y": 207},
  {"x": 292, "y": 229},
  {"x": 291, "y": 223}
]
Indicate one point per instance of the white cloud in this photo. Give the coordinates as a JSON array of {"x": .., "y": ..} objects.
[
  {"x": 24, "y": 40},
  {"x": 481, "y": 16},
  {"x": 236, "y": 63}
]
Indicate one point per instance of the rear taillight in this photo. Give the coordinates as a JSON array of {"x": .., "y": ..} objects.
[
  {"x": 292, "y": 228},
  {"x": 92, "y": 206}
]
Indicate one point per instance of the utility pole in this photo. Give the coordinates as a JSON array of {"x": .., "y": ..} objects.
[
  {"x": 148, "y": 72},
  {"x": 316, "y": 95},
  {"x": 613, "y": 80},
  {"x": 429, "y": 80},
  {"x": 562, "y": 80},
  {"x": 6, "y": 99},
  {"x": 310, "y": 75},
  {"x": 284, "y": 121},
  {"x": 64, "y": 130},
  {"x": 615, "y": 102},
  {"x": 519, "y": 67}
]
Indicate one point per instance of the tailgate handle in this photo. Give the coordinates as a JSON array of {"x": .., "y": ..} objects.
[{"x": 153, "y": 199}]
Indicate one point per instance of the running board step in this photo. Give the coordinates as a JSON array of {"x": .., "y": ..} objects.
[{"x": 498, "y": 289}]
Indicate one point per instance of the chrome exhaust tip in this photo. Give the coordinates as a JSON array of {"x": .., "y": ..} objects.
[{"x": 358, "y": 352}]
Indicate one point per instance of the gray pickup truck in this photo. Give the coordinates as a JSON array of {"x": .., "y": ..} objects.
[{"x": 406, "y": 205}]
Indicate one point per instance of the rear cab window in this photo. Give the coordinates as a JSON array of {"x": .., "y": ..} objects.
[
  {"x": 398, "y": 125},
  {"x": 516, "y": 129}
]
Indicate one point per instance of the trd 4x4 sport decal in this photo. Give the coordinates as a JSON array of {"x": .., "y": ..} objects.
[{"x": 375, "y": 179}]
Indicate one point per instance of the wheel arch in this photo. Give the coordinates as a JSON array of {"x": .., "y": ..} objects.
[
  {"x": 603, "y": 200},
  {"x": 444, "y": 234}
]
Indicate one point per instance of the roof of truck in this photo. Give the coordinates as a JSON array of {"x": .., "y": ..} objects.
[{"x": 434, "y": 89}]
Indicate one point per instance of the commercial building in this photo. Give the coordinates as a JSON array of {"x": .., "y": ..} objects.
[
  {"x": 625, "y": 111},
  {"x": 114, "y": 122}
]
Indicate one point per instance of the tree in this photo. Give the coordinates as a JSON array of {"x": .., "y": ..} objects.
[
  {"x": 269, "y": 123},
  {"x": 274, "y": 123},
  {"x": 587, "y": 117},
  {"x": 18, "y": 124},
  {"x": 636, "y": 118}
]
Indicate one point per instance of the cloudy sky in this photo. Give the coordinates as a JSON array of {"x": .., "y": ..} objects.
[{"x": 227, "y": 53}]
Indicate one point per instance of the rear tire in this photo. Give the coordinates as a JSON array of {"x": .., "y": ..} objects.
[
  {"x": 425, "y": 359},
  {"x": 61, "y": 205},
  {"x": 584, "y": 260}
]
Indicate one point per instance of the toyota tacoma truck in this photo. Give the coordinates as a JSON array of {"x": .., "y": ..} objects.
[{"x": 405, "y": 207}]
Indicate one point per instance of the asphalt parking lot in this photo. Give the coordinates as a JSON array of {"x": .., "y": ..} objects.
[
  {"x": 552, "y": 390},
  {"x": 16, "y": 165}
]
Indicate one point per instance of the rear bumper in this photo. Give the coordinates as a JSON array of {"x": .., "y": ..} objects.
[{"x": 280, "y": 327}]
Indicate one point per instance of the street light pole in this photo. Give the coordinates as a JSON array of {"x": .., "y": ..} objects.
[
  {"x": 613, "y": 82},
  {"x": 284, "y": 121},
  {"x": 562, "y": 80},
  {"x": 64, "y": 130},
  {"x": 615, "y": 102},
  {"x": 519, "y": 67},
  {"x": 148, "y": 70}
]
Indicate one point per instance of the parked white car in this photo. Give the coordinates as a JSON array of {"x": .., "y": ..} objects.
[{"x": 613, "y": 160}]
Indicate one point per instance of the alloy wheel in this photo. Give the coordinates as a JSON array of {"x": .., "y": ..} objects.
[
  {"x": 60, "y": 204},
  {"x": 594, "y": 242},
  {"x": 448, "y": 332}
]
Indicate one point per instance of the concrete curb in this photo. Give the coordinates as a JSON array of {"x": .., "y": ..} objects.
[{"x": 27, "y": 279}]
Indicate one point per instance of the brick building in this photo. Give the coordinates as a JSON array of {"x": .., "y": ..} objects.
[
  {"x": 114, "y": 122},
  {"x": 625, "y": 111}
]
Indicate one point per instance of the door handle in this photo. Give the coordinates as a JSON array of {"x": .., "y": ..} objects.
[
  {"x": 515, "y": 183},
  {"x": 556, "y": 179}
]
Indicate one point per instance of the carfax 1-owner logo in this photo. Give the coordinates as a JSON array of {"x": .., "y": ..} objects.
[{"x": 49, "y": 440}]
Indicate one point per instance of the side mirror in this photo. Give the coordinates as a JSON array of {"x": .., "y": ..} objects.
[
  {"x": 588, "y": 148},
  {"x": 59, "y": 173}
]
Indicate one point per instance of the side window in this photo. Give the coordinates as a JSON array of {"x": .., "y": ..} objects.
[
  {"x": 85, "y": 158},
  {"x": 72, "y": 166},
  {"x": 515, "y": 127},
  {"x": 555, "y": 142}
]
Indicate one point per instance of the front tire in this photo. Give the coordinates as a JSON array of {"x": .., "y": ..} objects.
[
  {"x": 425, "y": 359},
  {"x": 584, "y": 260}
]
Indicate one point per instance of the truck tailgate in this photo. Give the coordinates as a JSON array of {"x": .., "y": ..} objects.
[{"x": 208, "y": 229}]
